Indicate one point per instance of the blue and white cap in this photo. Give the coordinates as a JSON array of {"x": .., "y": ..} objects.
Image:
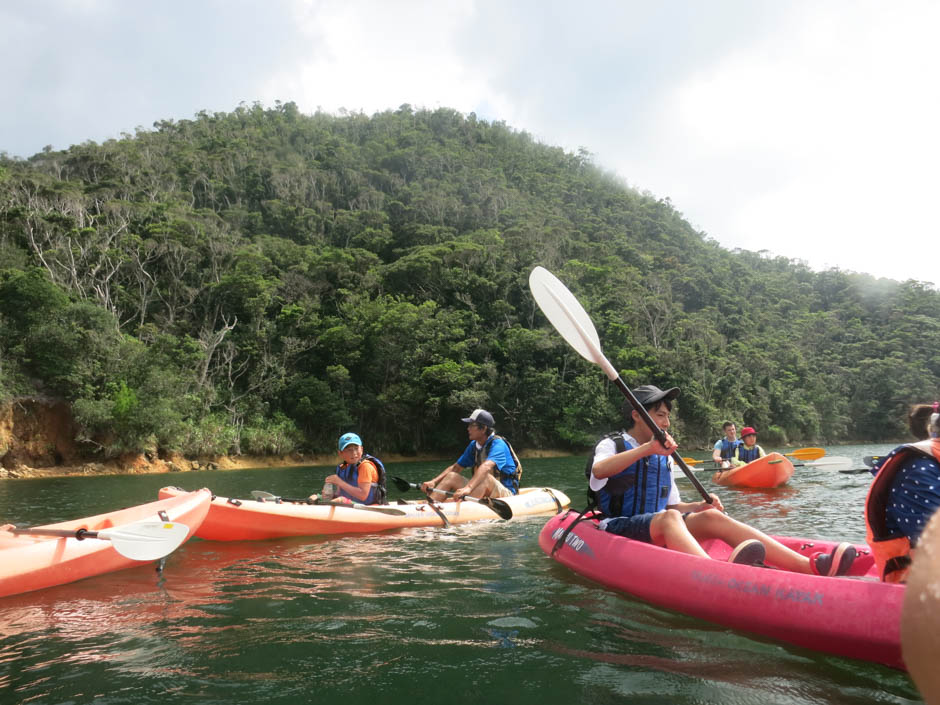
[
  {"x": 348, "y": 439},
  {"x": 481, "y": 416}
]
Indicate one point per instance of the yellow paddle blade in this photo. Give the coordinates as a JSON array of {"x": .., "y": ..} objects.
[
  {"x": 692, "y": 461},
  {"x": 807, "y": 453}
]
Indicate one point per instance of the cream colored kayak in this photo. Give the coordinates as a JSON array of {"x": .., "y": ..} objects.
[{"x": 251, "y": 519}]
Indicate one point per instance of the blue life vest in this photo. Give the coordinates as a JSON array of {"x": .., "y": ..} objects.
[
  {"x": 350, "y": 473},
  {"x": 746, "y": 455},
  {"x": 727, "y": 448},
  {"x": 508, "y": 480},
  {"x": 641, "y": 488}
]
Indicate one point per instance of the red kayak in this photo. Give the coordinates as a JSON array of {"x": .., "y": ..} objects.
[
  {"x": 772, "y": 470},
  {"x": 856, "y": 616},
  {"x": 31, "y": 562}
]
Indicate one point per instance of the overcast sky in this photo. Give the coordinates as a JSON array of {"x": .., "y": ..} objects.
[{"x": 804, "y": 128}]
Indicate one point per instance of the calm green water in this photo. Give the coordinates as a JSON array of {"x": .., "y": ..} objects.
[{"x": 470, "y": 614}]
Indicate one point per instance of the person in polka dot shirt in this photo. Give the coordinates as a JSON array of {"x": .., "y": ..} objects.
[{"x": 905, "y": 494}]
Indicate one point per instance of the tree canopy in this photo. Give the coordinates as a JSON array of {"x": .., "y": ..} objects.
[{"x": 261, "y": 281}]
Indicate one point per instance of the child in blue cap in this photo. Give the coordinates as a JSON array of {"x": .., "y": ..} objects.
[{"x": 360, "y": 477}]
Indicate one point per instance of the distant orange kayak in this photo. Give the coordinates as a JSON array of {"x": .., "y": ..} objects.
[
  {"x": 32, "y": 562},
  {"x": 772, "y": 470}
]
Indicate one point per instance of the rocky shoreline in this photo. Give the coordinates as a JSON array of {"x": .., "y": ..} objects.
[
  {"x": 37, "y": 439},
  {"x": 142, "y": 464},
  {"x": 145, "y": 464}
]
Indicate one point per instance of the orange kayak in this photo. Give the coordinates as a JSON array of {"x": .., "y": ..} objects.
[
  {"x": 772, "y": 470},
  {"x": 32, "y": 562},
  {"x": 252, "y": 519}
]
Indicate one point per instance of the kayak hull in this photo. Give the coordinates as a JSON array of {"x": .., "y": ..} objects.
[
  {"x": 250, "y": 519},
  {"x": 855, "y": 617},
  {"x": 772, "y": 470},
  {"x": 32, "y": 562}
]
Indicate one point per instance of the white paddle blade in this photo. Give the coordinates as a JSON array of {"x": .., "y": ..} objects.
[
  {"x": 259, "y": 494},
  {"x": 146, "y": 540},
  {"x": 832, "y": 462},
  {"x": 569, "y": 318}
]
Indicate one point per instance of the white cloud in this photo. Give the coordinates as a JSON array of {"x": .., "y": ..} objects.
[
  {"x": 375, "y": 56},
  {"x": 817, "y": 143},
  {"x": 77, "y": 71},
  {"x": 803, "y": 128}
]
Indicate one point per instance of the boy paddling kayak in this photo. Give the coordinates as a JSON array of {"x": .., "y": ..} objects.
[{"x": 636, "y": 492}]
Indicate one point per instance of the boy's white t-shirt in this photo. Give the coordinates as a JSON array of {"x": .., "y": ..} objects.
[{"x": 607, "y": 448}]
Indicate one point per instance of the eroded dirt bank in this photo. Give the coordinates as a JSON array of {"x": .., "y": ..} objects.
[{"x": 37, "y": 439}]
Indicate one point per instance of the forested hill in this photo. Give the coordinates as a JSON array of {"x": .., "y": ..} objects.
[{"x": 263, "y": 280}]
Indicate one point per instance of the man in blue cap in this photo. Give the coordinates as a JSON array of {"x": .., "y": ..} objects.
[
  {"x": 359, "y": 478},
  {"x": 496, "y": 468}
]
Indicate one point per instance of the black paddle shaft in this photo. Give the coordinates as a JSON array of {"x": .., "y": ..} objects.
[
  {"x": 79, "y": 534},
  {"x": 497, "y": 505},
  {"x": 660, "y": 436}
]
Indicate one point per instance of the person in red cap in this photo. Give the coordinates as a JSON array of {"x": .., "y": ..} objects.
[
  {"x": 748, "y": 450},
  {"x": 496, "y": 467}
]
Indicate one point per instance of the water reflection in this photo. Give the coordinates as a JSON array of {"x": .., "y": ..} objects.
[
  {"x": 474, "y": 613},
  {"x": 777, "y": 500}
]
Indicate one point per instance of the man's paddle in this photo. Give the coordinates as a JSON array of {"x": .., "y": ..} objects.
[
  {"x": 569, "y": 318},
  {"x": 497, "y": 505},
  {"x": 799, "y": 454},
  {"x": 139, "y": 541},
  {"x": 438, "y": 511},
  {"x": 268, "y": 497},
  {"x": 872, "y": 464},
  {"x": 807, "y": 453},
  {"x": 709, "y": 466},
  {"x": 832, "y": 462}
]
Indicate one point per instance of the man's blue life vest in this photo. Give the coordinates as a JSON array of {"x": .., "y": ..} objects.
[
  {"x": 642, "y": 488},
  {"x": 350, "y": 473},
  {"x": 727, "y": 448},
  {"x": 508, "y": 480}
]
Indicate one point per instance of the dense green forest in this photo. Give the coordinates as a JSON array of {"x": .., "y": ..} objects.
[{"x": 262, "y": 280}]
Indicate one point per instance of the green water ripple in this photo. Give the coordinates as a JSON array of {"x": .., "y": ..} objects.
[{"x": 471, "y": 614}]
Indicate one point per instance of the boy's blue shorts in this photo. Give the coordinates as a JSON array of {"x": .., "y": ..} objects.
[{"x": 636, "y": 527}]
